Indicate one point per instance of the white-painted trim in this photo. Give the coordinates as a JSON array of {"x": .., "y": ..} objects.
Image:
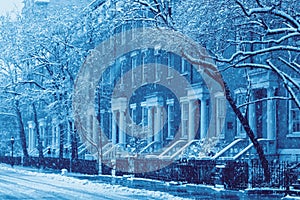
[
  {"x": 289, "y": 151},
  {"x": 293, "y": 135}
]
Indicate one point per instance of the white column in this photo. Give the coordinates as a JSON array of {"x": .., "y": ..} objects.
[
  {"x": 143, "y": 117},
  {"x": 203, "y": 118},
  {"x": 113, "y": 128},
  {"x": 133, "y": 116},
  {"x": 271, "y": 115},
  {"x": 252, "y": 115},
  {"x": 183, "y": 124},
  {"x": 157, "y": 125},
  {"x": 69, "y": 126},
  {"x": 42, "y": 131},
  {"x": 43, "y": 136},
  {"x": 53, "y": 136},
  {"x": 191, "y": 120},
  {"x": 150, "y": 131},
  {"x": 31, "y": 139},
  {"x": 169, "y": 121},
  {"x": 95, "y": 131},
  {"x": 31, "y": 135},
  {"x": 122, "y": 132},
  {"x": 57, "y": 136}
]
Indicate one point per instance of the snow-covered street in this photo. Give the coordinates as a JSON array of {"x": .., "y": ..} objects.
[
  {"x": 150, "y": 99},
  {"x": 23, "y": 184}
]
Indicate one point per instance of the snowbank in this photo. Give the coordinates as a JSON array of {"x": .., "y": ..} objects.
[{"x": 90, "y": 186}]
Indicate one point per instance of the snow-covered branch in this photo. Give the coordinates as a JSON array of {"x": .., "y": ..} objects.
[
  {"x": 293, "y": 66},
  {"x": 270, "y": 9},
  {"x": 269, "y": 41},
  {"x": 159, "y": 9},
  {"x": 247, "y": 65},
  {"x": 152, "y": 7},
  {"x": 286, "y": 81},
  {"x": 8, "y": 114},
  {"x": 263, "y": 99},
  {"x": 243, "y": 54}
]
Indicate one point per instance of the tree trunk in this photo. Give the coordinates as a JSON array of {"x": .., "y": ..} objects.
[
  {"x": 21, "y": 130},
  {"x": 38, "y": 135},
  {"x": 249, "y": 132}
]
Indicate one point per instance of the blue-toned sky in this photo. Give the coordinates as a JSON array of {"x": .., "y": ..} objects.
[{"x": 9, "y": 6}]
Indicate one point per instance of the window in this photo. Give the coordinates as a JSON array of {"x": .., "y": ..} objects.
[
  {"x": 170, "y": 104},
  {"x": 157, "y": 68},
  {"x": 157, "y": 63},
  {"x": 123, "y": 34},
  {"x": 185, "y": 118},
  {"x": 170, "y": 64},
  {"x": 122, "y": 69},
  {"x": 144, "y": 68},
  {"x": 133, "y": 29},
  {"x": 294, "y": 118},
  {"x": 133, "y": 70},
  {"x": 220, "y": 115},
  {"x": 184, "y": 65}
]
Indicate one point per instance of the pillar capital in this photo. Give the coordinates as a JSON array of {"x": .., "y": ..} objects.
[
  {"x": 119, "y": 104},
  {"x": 31, "y": 124},
  {"x": 271, "y": 91},
  {"x": 155, "y": 101}
]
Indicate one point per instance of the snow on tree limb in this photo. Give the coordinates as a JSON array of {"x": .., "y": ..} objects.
[
  {"x": 269, "y": 41},
  {"x": 296, "y": 68},
  {"x": 148, "y": 5},
  {"x": 286, "y": 82},
  {"x": 263, "y": 99},
  {"x": 268, "y": 9},
  {"x": 242, "y": 54}
]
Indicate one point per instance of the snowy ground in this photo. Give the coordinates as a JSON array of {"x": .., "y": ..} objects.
[
  {"x": 17, "y": 183},
  {"x": 31, "y": 183}
]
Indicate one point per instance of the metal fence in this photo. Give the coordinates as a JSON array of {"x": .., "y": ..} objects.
[
  {"x": 234, "y": 175},
  {"x": 77, "y": 165},
  {"x": 9, "y": 160},
  {"x": 283, "y": 174},
  {"x": 194, "y": 171}
]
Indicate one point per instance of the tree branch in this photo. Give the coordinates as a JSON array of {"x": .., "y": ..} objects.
[
  {"x": 272, "y": 10},
  {"x": 295, "y": 68},
  {"x": 285, "y": 82},
  {"x": 32, "y": 82},
  {"x": 264, "y": 99},
  {"x": 258, "y": 52}
]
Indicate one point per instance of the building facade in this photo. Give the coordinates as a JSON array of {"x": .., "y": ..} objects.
[{"x": 153, "y": 121}]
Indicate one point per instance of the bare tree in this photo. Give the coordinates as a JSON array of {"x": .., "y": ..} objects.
[{"x": 218, "y": 31}]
